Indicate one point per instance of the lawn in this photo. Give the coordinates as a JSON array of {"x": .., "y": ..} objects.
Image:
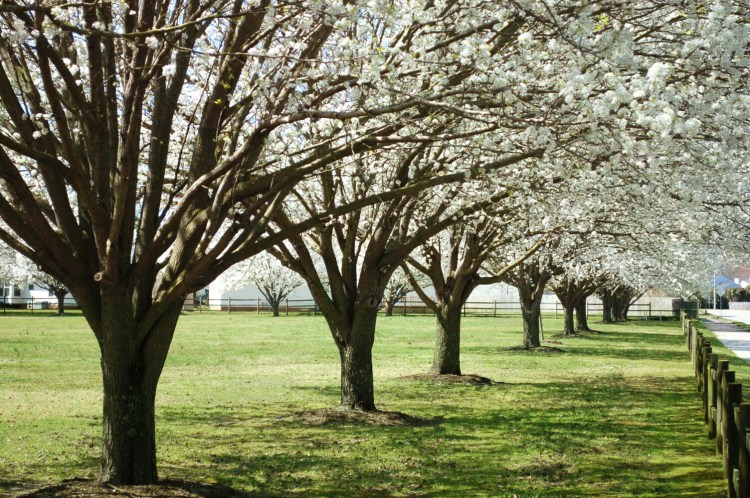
[{"x": 613, "y": 414}]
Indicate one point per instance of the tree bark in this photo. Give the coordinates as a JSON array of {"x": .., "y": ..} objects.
[
  {"x": 606, "y": 306},
  {"x": 569, "y": 328},
  {"x": 389, "y": 305},
  {"x": 357, "y": 391},
  {"x": 275, "y": 308},
  {"x": 61, "y": 302},
  {"x": 130, "y": 374},
  {"x": 447, "y": 360},
  {"x": 129, "y": 444},
  {"x": 582, "y": 321},
  {"x": 531, "y": 334}
]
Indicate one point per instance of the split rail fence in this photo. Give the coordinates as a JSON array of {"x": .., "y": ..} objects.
[
  {"x": 726, "y": 416},
  {"x": 415, "y": 307}
]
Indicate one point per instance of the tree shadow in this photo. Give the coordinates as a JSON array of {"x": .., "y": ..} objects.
[{"x": 597, "y": 436}]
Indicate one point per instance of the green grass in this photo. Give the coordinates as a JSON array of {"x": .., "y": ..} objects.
[{"x": 616, "y": 414}]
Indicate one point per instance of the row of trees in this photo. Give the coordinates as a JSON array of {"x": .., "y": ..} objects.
[{"x": 148, "y": 146}]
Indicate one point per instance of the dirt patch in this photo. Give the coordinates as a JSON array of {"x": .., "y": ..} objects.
[
  {"x": 81, "y": 488},
  {"x": 540, "y": 349},
  {"x": 464, "y": 380},
  {"x": 332, "y": 416}
]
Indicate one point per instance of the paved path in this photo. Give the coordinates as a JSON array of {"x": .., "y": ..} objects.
[{"x": 730, "y": 335}]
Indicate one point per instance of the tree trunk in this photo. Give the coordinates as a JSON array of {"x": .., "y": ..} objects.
[
  {"x": 357, "y": 392},
  {"x": 447, "y": 360},
  {"x": 275, "y": 307},
  {"x": 531, "y": 326},
  {"x": 129, "y": 444},
  {"x": 389, "y": 305},
  {"x": 606, "y": 307},
  {"x": 130, "y": 373},
  {"x": 569, "y": 324},
  {"x": 61, "y": 303},
  {"x": 582, "y": 321},
  {"x": 616, "y": 315}
]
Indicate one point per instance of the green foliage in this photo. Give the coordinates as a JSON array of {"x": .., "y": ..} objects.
[
  {"x": 615, "y": 414},
  {"x": 737, "y": 295}
]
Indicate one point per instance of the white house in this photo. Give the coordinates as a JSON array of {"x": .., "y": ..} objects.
[{"x": 30, "y": 295}]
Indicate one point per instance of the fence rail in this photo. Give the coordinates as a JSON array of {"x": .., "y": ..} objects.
[
  {"x": 417, "y": 307},
  {"x": 726, "y": 416},
  {"x": 35, "y": 303},
  {"x": 308, "y": 306}
]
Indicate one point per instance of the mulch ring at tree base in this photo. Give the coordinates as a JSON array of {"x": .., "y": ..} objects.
[
  {"x": 330, "y": 416},
  {"x": 464, "y": 380},
  {"x": 538, "y": 349},
  {"x": 82, "y": 488}
]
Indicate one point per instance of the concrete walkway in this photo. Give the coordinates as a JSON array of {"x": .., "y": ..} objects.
[{"x": 730, "y": 335}]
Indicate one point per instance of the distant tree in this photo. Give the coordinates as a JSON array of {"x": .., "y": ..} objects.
[
  {"x": 530, "y": 278},
  {"x": 453, "y": 263},
  {"x": 272, "y": 279},
  {"x": 8, "y": 269},
  {"x": 572, "y": 293},
  {"x": 50, "y": 284},
  {"x": 737, "y": 295},
  {"x": 396, "y": 290}
]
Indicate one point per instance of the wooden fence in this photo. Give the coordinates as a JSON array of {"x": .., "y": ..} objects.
[
  {"x": 417, "y": 307},
  {"x": 726, "y": 416}
]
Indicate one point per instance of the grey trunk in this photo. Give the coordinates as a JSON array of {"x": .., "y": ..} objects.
[
  {"x": 531, "y": 326},
  {"x": 447, "y": 360},
  {"x": 130, "y": 374},
  {"x": 607, "y": 307},
  {"x": 389, "y": 305},
  {"x": 61, "y": 303},
  {"x": 569, "y": 325},
  {"x": 357, "y": 392},
  {"x": 129, "y": 444},
  {"x": 582, "y": 321}
]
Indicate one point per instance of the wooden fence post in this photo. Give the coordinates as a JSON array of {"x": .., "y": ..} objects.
[
  {"x": 287, "y": 306},
  {"x": 731, "y": 443},
  {"x": 713, "y": 362},
  {"x": 706, "y": 381},
  {"x": 229, "y": 306},
  {"x": 698, "y": 362},
  {"x": 742, "y": 482},
  {"x": 720, "y": 403},
  {"x": 695, "y": 338}
]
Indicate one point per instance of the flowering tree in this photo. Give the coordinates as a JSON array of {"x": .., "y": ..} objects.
[
  {"x": 361, "y": 251},
  {"x": 8, "y": 268},
  {"x": 272, "y": 279},
  {"x": 29, "y": 272},
  {"x": 453, "y": 261},
  {"x": 160, "y": 137},
  {"x": 395, "y": 290},
  {"x": 146, "y": 136}
]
